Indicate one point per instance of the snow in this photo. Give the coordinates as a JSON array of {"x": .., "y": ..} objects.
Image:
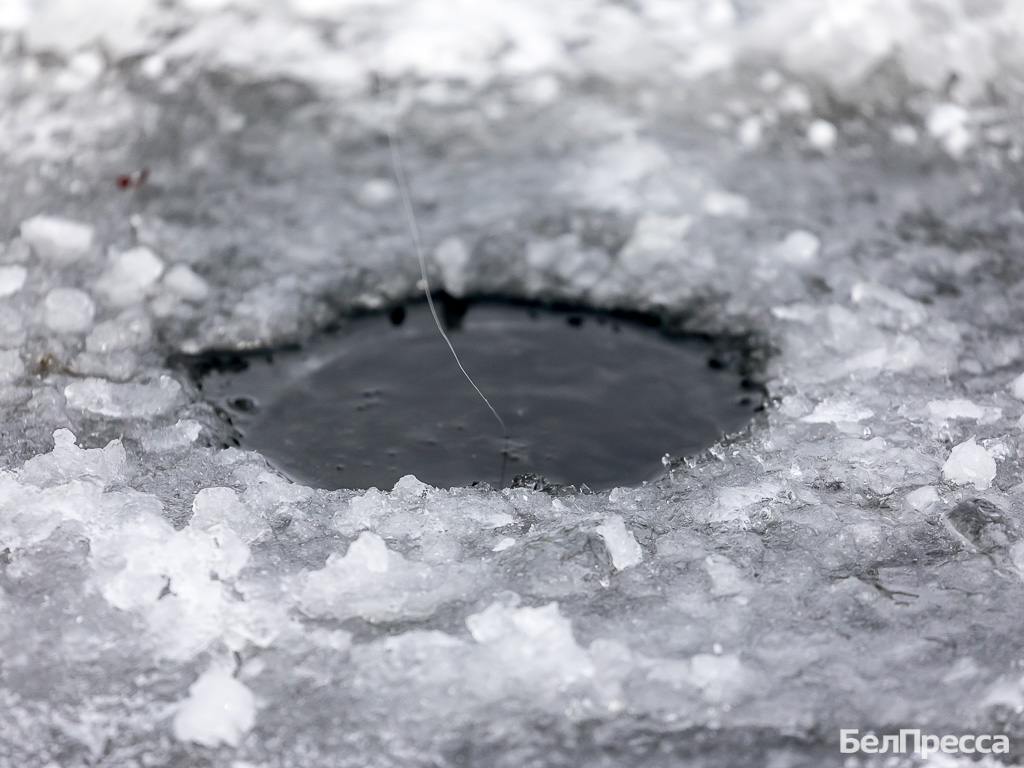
[{"x": 829, "y": 186}]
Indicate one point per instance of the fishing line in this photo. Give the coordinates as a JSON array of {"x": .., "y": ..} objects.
[{"x": 410, "y": 216}]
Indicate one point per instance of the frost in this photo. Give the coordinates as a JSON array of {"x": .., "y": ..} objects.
[
  {"x": 970, "y": 463},
  {"x": 218, "y": 710}
]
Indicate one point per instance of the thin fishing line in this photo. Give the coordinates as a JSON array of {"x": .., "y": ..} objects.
[{"x": 403, "y": 188}]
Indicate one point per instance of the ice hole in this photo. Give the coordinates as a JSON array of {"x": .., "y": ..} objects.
[{"x": 590, "y": 398}]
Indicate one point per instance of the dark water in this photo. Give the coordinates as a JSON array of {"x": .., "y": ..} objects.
[{"x": 587, "y": 398}]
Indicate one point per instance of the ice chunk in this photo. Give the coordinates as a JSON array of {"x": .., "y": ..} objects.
[
  {"x": 911, "y": 313},
  {"x": 564, "y": 261},
  {"x": 822, "y": 135},
  {"x": 119, "y": 401},
  {"x": 749, "y": 132},
  {"x": 718, "y": 203},
  {"x": 945, "y": 410},
  {"x": 12, "y": 279},
  {"x": 219, "y": 710},
  {"x": 533, "y": 643},
  {"x": 795, "y": 99},
  {"x": 128, "y": 331},
  {"x": 69, "y": 310},
  {"x": 183, "y": 282},
  {"x": 377, "y": 584},
  {"x": 180, "y": 435},
  {"x": 68, "y": 462},
  {"x": 799, "y": 247},
  {"x": 504, "y": 544},
  {"x": 734, "y": 502},
  {"x": 922, "y": 498},
  {"x": 221, "y": 506},
  {"x": 57, "y": 239},
  {"x": 130, "y": 276},
  {"x": 1017, "y": 387},
  {"x": 14, "y": 15},
  {"x": 64, "y": 26},
  {"x": 970, "y": 463},
  {"x": 11, "y": 367},
  {"x": 377, "y": 192},
  {"x": 904, "y": 135},
  {"x": 720, "y": 678},
  {"x": 837, "y": 412},
  {"x": 726, "y": 579},
  {"x": 452, "y": 257},
  {"x": 947, "y": 123},
  {"x": 621, "y": 544}
]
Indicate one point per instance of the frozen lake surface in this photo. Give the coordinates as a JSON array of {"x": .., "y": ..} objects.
[{"x": 836, "y": 184}]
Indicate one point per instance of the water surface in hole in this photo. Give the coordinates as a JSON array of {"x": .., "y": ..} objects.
[{"x": 588, "y": 399}]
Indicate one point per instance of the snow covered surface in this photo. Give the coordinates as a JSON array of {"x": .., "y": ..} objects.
[{"x": 836, "y": 182}]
